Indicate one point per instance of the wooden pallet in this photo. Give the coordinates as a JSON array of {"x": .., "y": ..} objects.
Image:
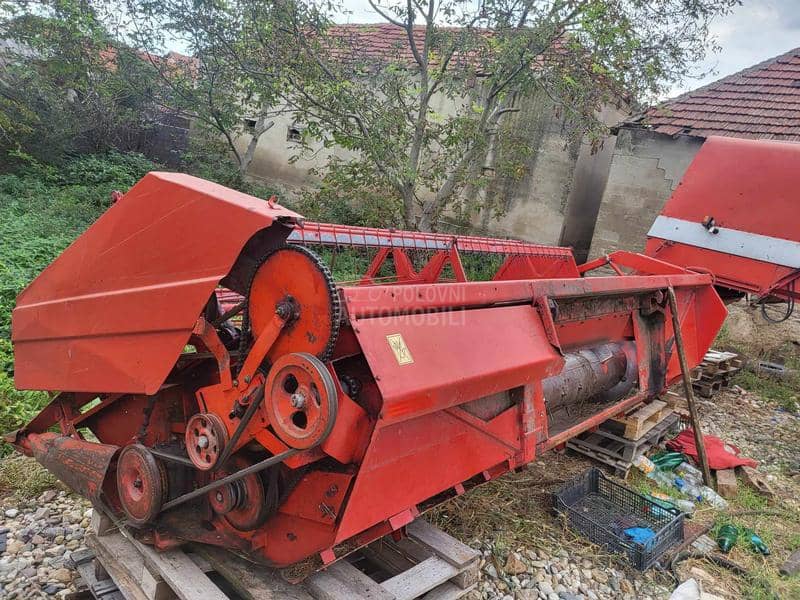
[
  {"x": 678, "y": 403},
  {"x": 715, "y": 372},
  {"x": 619, "y": 452},
  {"x": 428, "y": 564},
  {"x": 715, "y": 360},
  {"x": 640, "y": 419}
]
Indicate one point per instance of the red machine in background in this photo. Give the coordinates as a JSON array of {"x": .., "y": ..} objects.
[
  {"x": 298, "y": 419},
  {"x": 735, "y": 214}
]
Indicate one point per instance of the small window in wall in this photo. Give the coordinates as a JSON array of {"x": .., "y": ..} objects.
[
  {"x": 294, "y": 133},
  {"x": 250, "y": 125}
]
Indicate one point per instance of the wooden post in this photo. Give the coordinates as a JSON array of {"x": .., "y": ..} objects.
[{"x": 687, "y": 387}]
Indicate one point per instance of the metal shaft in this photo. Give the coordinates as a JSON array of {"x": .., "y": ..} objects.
[
  {"x": 687, "y": 388},
  {"x": 586, "y": 374}
]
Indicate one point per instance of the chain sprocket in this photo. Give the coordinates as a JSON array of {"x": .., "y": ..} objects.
[{"x": 295, "y": 272}]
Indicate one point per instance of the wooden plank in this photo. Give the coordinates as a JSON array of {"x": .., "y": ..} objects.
[
  {"x": 101, "y": 524},
  {"x": 387, "y": 556},
  {"x": 441, "y": 544},
  {"x": 642, "y": 420},
  {"x": 792, "y": 565},
  {"x": 366, "y": 588},
  {"x": 105, "y": 589},
  {"x": 155, "y": 588},
  {"x": 726, "y": 483},
  {"x": 420, "y": 578},
  {"x": 447, "y": 591},
  {"x": 201, "y": 562},
  {"x": 756, "y": 481},
  {"x": 185, "y": 578},
  {"x": 251, "y": 581},
  {"x": 122, "y": 561},
  {"x": 324, "y": 586}
]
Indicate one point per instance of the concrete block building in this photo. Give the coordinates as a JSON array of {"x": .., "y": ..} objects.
[{"x": 652, "y": 150}]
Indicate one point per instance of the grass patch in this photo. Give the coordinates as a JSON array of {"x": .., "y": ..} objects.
[
  {"x": 758, "y": 586},
  {"x": 783, "y": 393},
  {"x": 778, "y": 525},
  {"x": 748, "y": 499},
  {"x": 793, "y": 543},
  {"x": 24, "y": 477}
]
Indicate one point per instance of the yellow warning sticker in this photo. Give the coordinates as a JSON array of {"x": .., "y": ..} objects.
[{"x": 398, "y": 346}]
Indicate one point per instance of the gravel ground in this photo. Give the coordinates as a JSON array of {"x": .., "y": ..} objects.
[
  {"x": 762, "y": 430},
  {"x": 556, "y": 575},
  {"x": 38, "y": 535},
  {"x": 37, "y": 538}
]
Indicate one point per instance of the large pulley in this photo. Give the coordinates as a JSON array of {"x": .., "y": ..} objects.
[
  {"x": 301, "y": 401},
  {"x": 141, "y": 484},
  {"x": 295, "y": 277}
]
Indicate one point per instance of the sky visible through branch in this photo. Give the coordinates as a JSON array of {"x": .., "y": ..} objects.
[{"x": 754, "y": 32}]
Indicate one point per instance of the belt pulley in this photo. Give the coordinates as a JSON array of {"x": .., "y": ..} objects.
[
  {"x": 301, "y": 405},
  {"x": 299, "y": 398}
]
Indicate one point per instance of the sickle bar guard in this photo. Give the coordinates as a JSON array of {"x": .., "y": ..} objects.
[{"x": 242, "y": 398}]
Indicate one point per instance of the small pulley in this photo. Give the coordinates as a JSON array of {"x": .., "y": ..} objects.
[
  {"x": 301, "y": 401},
  {"x": 243, "y": 503},
  {"x": 206, "y": 437},
  {"x": 141, "y": 484}
]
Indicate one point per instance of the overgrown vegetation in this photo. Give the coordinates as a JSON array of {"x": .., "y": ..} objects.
[
  {"x": 430, "y": 124},
  {"x": 24, "y": 477},
  {"x": 42, "y": 209},
  {"x": 784, "y": 391}
]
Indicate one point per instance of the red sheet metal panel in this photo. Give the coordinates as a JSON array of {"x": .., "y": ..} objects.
[
  {"x": 750, "y": 189},
  {"x": 413, "y": 357},
  {"x": 114, "y": 311}
]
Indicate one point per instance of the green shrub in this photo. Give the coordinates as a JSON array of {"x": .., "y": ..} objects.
[{"x": 42, "y": 209}]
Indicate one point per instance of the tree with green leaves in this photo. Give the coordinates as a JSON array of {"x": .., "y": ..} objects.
[
  {"x": 62, "y": 88},
  {"x": 210, "y": 86},
  {"x": 484, "y": 58}
]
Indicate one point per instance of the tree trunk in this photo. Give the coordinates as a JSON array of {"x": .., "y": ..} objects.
[
  {"x": 260, "y": 128},
  {"x": 407, "y": 192}
]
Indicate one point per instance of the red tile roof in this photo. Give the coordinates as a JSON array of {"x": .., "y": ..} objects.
[
  {"x": 762, "y": 102},
  {"x": 384, "y": 42}
]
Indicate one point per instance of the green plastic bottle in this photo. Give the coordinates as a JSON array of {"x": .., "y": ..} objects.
[
  {"x": 726, "y": 537},
  {"x": 667, "y": 461},
  {"x": 756, "y": 543}
]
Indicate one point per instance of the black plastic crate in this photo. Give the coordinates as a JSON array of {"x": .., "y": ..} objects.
[{"x": 601, "y": 510}]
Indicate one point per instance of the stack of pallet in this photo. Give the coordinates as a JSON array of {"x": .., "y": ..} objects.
[
  {"x": 427, "y": 563},
  {"x": 715, "y": 372},
  {"x": 619, "y": 440}
]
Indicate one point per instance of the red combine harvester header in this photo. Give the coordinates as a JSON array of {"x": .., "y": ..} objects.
[
  {"x": 299, "y": 419},
  {"x": 735, "y": 214}
]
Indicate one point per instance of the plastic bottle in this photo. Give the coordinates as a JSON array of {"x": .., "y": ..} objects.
[
  {"x": 662, "y": 478},
  {"x": 726, "y": 537},
  {"x": 713, "y": 498},
  {"x": 689, "y": 472},
  {"x": 667, "y": 461},
  {"x": 644, "y": 464},
  {"x": 688, "y": 489},
  {"x": 664, "y": 501},
  {"x": 756, "y": 543},
  {"x": 684, "y": 505}
]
